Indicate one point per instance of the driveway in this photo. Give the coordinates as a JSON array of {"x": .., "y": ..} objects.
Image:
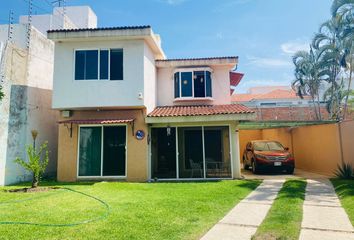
[{"x": 298, "y": 173}]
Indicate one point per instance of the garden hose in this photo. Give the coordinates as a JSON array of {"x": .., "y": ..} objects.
[{"x": 103, "y": 216}]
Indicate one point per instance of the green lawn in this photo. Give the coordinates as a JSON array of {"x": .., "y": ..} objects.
[
  {"x": 283, "y": 220},
  {"x": 345, "y": 192},
  {"x": 137, "y": 210}
]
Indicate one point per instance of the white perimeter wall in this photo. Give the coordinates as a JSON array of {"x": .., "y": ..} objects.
[{"x": 27, "y": 104}]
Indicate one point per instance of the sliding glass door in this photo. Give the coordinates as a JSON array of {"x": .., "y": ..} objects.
[
  {"x": 190, "y": 152},
  {"x": 202, "y": 152},
  {"x": 217, "y": 152},
  {"x": 90, "y": 151},
  {"x": 163, "y": 152},
  {"x": 102, "y": 151}
]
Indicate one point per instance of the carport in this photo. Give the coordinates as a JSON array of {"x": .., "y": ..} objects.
[{"x": 317, "y": 146}]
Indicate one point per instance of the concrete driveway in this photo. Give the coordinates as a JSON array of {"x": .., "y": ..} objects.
[{"x": 247, "y": 174}]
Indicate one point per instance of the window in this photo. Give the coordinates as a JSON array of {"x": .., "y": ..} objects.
[
  {"x": 195, "y": 84},
  {"x": 269, "y": 104},
  {"x": 101, "y": 64}
]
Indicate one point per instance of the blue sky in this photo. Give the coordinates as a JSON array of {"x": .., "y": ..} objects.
[{"x": 263, "y": 33}]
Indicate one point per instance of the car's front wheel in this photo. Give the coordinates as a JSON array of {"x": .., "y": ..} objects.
[
  {"x": 245, "y": 165},
  {"x": 254, "y": 167}
]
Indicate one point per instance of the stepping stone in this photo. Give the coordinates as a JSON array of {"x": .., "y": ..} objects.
[
  {"x": 242, "y": 221},
  {"x": 323, "y": 216}
]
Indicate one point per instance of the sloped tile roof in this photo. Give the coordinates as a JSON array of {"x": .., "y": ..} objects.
[
  {"x": 97, "y": 121},
  {"x": 196, "y": 59},
  {"x": 99, "y": 29},
  {"x": 199, "y": 110},
  {"x": 275, "y": 94}
]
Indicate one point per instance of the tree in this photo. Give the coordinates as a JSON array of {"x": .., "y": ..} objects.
[
  {"x": 308, "y": 77},
  {"x": 327, "y": 44},
  {"x": 37, "y": 162},
  {"x": 343, "y": 11}
]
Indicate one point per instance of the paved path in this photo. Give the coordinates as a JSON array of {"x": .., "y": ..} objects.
[
  {"x": 323, "y": 216},
  {"x": 243, "y": 220}
]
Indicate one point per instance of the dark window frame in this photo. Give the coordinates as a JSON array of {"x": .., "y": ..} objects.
[
  {"x": 177, "y": 82},
  {"x": 106, "y": 70}
]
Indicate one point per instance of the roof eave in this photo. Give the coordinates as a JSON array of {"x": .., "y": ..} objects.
[
  {"x": 107, "y": 34},
  {"x": 202, "y": 118},
  {"x": 222, "y": 61}
]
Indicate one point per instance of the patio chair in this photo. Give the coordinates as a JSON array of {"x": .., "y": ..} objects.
[{"x": 195, "y": 167}]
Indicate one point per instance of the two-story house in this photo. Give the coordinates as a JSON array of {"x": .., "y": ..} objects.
[{"x": 129, "y": 113}]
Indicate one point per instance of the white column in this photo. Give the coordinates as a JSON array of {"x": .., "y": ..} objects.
[{"x": 235, "y": 151}]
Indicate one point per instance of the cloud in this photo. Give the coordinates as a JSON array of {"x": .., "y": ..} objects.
[
  {"x": 291, "y": 47},
  {"x": 268, "y": 62},
  {"x": 172, "y": 2},
  {"x": 219, "y": 36}
]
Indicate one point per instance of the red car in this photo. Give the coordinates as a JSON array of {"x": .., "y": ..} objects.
[{"x": 264, "y": 154}]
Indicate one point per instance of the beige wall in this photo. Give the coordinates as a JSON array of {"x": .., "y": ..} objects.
[
  {"x": 316, "y": 148},
  {"x": 282, "y": 135},
  {"x": 248, "y": 135},
  {"x": 136, "y": 149},
  {"x": 347, "y": 132}
]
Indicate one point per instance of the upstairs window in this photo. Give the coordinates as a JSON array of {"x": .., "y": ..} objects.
[
  {"x": 192, "y": 84},
  {"x": 101, "y": 64}
]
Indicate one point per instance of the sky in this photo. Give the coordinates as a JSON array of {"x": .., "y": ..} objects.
[{"x": 264, "y": 34}]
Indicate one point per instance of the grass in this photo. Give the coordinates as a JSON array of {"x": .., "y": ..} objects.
[
  {"x": 283, "y": 220},
  {"x": 138, "y": 210},
  {"x": 345, "y": 192}
]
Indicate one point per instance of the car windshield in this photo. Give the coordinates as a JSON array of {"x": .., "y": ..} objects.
[{"x": 268, "y": 146}]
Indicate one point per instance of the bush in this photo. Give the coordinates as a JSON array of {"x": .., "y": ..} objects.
[
  {"x": 345, "y": 171},
  {"x": 36, "y": 164}
]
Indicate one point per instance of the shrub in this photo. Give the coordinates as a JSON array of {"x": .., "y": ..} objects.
[
  {"x": 345, "y": 171},
  {"x": 37, "y": 162}
]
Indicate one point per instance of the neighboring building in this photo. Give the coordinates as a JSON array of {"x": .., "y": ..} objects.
[
  {"x": 26, "y": 72},
  {"x": 271, "y": 96},
  {"x": 279, "y": 103},
  {"x": 127, "y": 112},
  {"x": 72, "y": 17}
]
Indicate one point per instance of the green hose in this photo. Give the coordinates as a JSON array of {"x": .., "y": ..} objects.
[{"x": 103, "y": 216}]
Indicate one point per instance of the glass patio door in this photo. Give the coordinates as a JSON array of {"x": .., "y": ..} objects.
[
  {"x": 190, "y": 152},
  {"x": 102, "y": 151},
  {"x": 217, "y": 152},
  {"x": 114, "y": 151},
  {"x": 163, "y": 153}
]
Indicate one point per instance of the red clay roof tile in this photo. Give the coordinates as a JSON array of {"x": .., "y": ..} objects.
[{"x": 199, "y": 110}]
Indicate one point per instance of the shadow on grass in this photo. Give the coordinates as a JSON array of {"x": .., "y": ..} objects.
[{"x": 293, "y": 189}]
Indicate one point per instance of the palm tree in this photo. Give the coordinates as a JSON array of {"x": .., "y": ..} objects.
[
  {"x": 328, "y": 47},
  {"x": 309, "y": 74},
  {"x": 343, "y": 11}
]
